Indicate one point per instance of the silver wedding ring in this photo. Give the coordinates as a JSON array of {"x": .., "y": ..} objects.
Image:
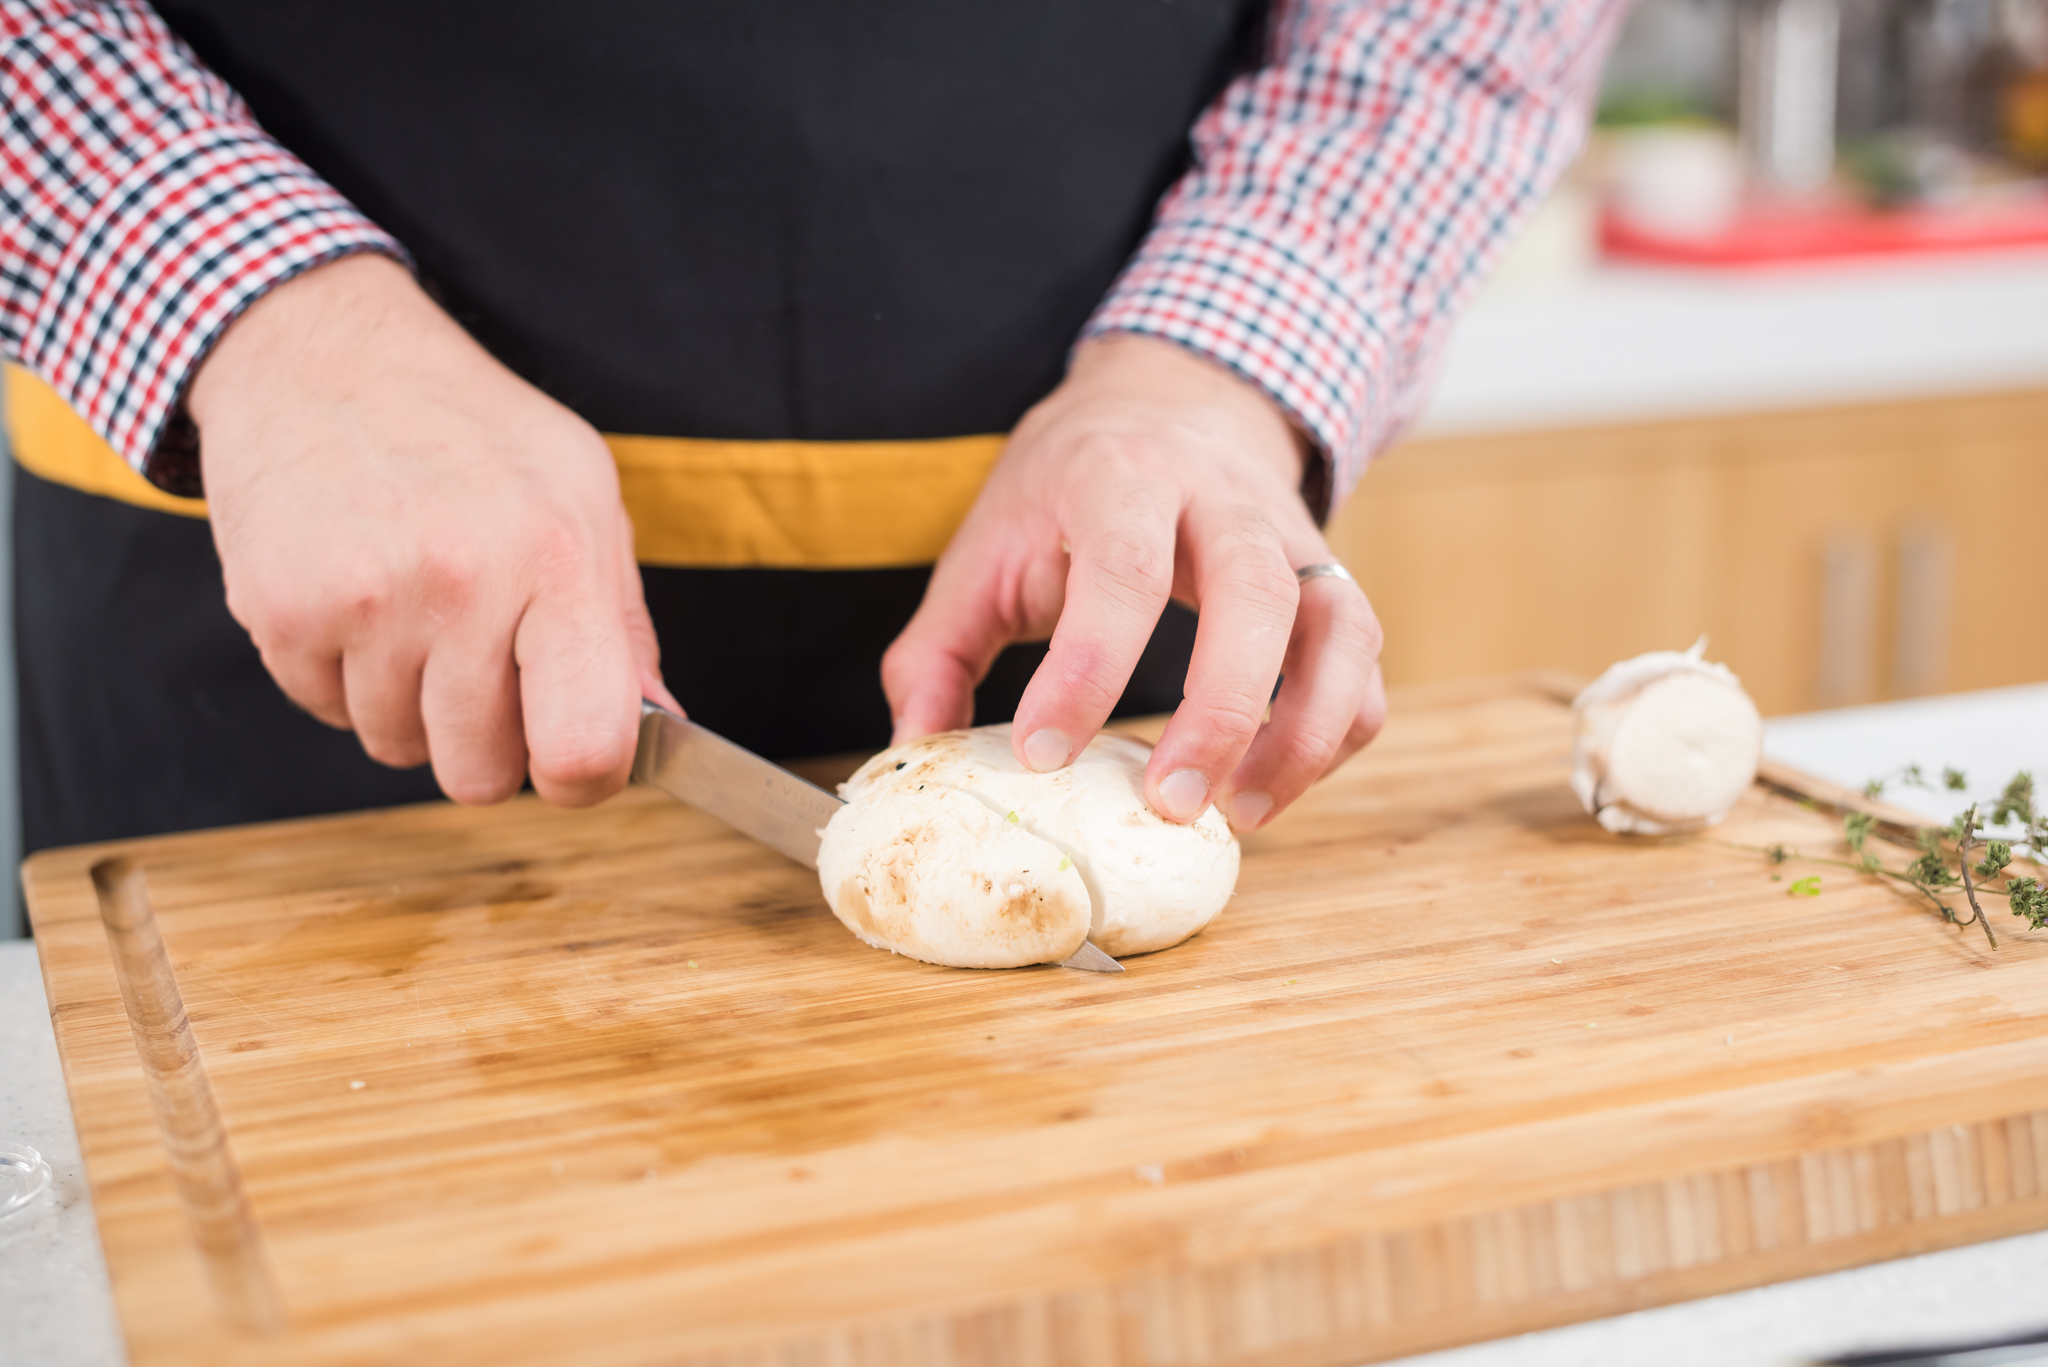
[{"x": 1332, "y": 570}]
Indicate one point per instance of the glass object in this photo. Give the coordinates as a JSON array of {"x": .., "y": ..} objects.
[{"x": 24, "y": 1177}]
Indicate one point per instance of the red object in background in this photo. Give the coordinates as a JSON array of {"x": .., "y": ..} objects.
[{"x": 1759, "y": 237}]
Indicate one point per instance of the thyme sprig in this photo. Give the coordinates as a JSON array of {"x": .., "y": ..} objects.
[{"x": 1945, "y": 865}]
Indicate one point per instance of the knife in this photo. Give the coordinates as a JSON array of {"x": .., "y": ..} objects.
[{"x": 754, "y": 797}]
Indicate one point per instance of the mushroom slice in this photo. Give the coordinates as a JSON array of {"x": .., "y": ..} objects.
[
  {"x": 934, "y": 874},
  {"x": 1147, "y": 883}
]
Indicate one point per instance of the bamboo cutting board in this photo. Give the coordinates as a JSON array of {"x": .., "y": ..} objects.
[{"x": 613, "y": 1087}]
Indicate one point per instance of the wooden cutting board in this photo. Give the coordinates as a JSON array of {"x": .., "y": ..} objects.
[{"x": 612, "y": 1087}]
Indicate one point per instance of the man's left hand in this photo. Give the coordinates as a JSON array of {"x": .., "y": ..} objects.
[{"x": 1151, "y": 473}]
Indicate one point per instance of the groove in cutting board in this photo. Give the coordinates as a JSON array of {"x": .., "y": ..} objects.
[{"x": 196, "y": 1144}]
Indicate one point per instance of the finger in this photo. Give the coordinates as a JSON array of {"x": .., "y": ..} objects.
[
  {"x": 382, "y": 681},
  {"x": 303, "y": 661},
  {"x": 469, "y": 703},
  {"x": 640, "y": 635},
  {"x": 1330, "y": 704},
  {"x": 313, "y": 681},
  {"x": 930, "y": 671},
  {"x": 1117, "y": 583},
  {"x": 1247, "y": 595},
  {"x": 1366, "y": 724},
  {"x": 579, "y": 694}
]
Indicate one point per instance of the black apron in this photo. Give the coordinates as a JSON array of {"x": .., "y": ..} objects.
[{"x": 784, "y": 219}]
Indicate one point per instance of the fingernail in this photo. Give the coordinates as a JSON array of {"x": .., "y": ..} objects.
[
  {"x": 1046, "y": 749},
  {"x": 1185, "y": 793},
  {"x": 1247, "y": 810}
]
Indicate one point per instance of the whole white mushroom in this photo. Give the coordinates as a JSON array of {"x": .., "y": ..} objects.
[
  {"x": 950, "y": 851},
  {"x": 1664, "y": 743}
]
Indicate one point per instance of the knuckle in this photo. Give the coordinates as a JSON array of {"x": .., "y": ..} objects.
[
  {"x": 1247, "y": 556},
  {"x": 1132, "y": 555},
  {"x": 320, "y": 709},
  {"x": 1353, "y": 619},
  {"x": 281, "y": 620},
  {"x": 450, "y": 581},
  {"x": 1130, "y": 462},
  {"x": 1307, "y": 752},
  {"x": 396, "y": 752},
  {"x": 1134, "y": 571},
  {"x": 900, "y": 667},
  {"x": 360, "y": 601},
  {"x": 554, "y": 552},
  {"x": 280, "y": 629},
  {"x": 481, "y": 789},
  {"x": 580, "y": 758},
  {"x": 1366, "y": 725},
  {"x": 1233, "y": 714},
  {"x": 1348, "y": 627},
  {"x": 1082, "y": 681},
  {"x": 1095, "y": 697}
]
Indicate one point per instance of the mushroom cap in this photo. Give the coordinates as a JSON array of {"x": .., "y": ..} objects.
[
  {"x": 1665, "y": 742},
  {"x": 1145, "y": 883}
]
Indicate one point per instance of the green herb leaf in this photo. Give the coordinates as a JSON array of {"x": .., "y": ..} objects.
[
  {"x": 1065, "y": 863},
  {"x": 1808, "y": 886},
  {"x": 1930, "y": 870},
  {"x": 1996, "y": 856},
  {"x": 1013, "y": 818},
  {"x": 1856, "y": 827},
  {"x": 2028, "y": 900},
  {"x": 2016, "y": 803},
  {"x": 1953, "y": 780}
]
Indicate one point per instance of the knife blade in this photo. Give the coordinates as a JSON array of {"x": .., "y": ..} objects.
[
  {"x": 746, "y": 792},
  {"x": 754, "y": 797}
]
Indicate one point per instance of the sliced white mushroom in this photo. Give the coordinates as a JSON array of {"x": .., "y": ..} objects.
[
  {"x": 1664, "y": 743},
  {"x": 950, "y": 851}
]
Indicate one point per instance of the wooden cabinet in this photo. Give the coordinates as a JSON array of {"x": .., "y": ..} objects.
[{"x": 1832, "y": 555}]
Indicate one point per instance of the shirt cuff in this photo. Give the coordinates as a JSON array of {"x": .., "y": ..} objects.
[
  {"x": 1279, "y": 314},
  {"x": 168, "y": 256}
]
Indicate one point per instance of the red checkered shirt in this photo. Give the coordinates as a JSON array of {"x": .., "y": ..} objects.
[{"x": 1345, "y": 198}]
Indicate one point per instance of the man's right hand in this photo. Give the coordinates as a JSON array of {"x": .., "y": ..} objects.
[{"x": 425, "y": 548}]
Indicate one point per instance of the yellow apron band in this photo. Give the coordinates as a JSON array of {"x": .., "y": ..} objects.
[
  {"x": 52, "y": 441},
  {"x": 694, "y": 502}
]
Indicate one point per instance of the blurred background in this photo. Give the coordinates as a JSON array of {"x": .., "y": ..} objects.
[{"x": 1771, "y": 366}]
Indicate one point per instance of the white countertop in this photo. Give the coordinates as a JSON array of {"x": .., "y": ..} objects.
[
  {"x": 1627, "y": 343},
  {"x": 56, "y": 1309}
]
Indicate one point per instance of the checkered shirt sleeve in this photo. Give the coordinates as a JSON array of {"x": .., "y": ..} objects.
[
  {"x": 1347, "y": 197},
  {"x": 141, "y": 210}
]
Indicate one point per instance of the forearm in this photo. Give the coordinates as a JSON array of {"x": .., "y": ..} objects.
[
  {"x": 1349, "y": 195},
  {"x": 141, "y": 210}
]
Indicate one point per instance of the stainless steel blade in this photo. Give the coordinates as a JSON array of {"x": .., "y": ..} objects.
[
  {"x": 732, "y": 783},
  {"x": 1091, "y": 959}
]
